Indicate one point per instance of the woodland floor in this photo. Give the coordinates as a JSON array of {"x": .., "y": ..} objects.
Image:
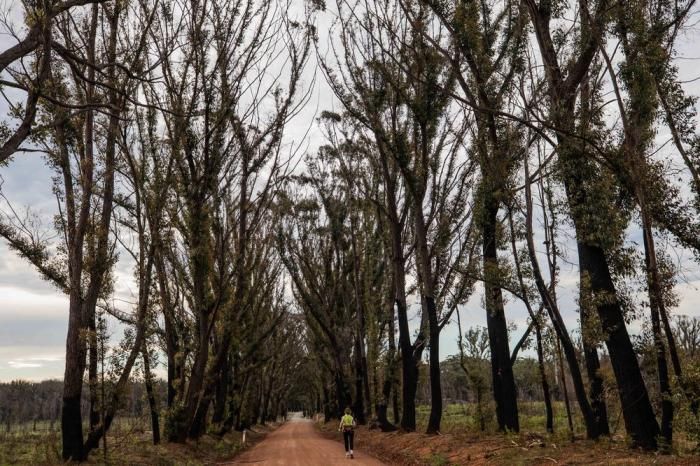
[
  {"x": 129, "y": 444},
  {"x": 460, "y": 444},
  {"x": 462, "y": 448}
]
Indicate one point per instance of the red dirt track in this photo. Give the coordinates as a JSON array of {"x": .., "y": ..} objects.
[{"x": 297, "y": 443}]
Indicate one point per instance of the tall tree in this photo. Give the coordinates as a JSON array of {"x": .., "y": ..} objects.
[
  {"x": 485, "y": 52},
  {"x": 577, "y": 174}
]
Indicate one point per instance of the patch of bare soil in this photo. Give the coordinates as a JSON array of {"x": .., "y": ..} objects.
[
  {"x": 298, "y": 443},
  {"x": 418, "y": 449}
]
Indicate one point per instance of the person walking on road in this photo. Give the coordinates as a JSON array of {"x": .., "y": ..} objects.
[{"x": 347, "y": 426}]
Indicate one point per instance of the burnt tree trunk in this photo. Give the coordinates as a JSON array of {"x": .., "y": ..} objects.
[
  {"x": 71, "y": 419},
  {"x": 595, "y": 380},
  {"x": 359, "y": 408},
  {"x": 220, "y": 397},
  {"x": 656, "y": 304},
  {"x": 92, "y": 372},
  {"x": 640, "y": 421},
  {"x": 389, "y": 387},
  {"x": 410, "y": 353},
  {"x": 434, "y": 354},
  {"x": 543, "y": 377},
  {"x": 504, "y": 392},
  {"x": 150, "y": 392}
]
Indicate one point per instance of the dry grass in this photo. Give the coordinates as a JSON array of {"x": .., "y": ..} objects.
[
  {"x": 413, "y": 449},
  {"x": 127, "y": 444},
  {"x": 460, "y": 443}
]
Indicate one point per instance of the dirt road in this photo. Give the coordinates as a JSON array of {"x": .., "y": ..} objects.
[{"x": 297, "y": 443}]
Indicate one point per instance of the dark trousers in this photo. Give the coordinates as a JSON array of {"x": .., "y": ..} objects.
[{"x": 348, "y": 437}]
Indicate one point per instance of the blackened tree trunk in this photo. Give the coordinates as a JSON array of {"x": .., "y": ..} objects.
[
  {"x": 595, "y": 379},
  {"x": 411, "y": 353},
  {"x": 221, "y": 390},
  {"x": 198, "y": 424},
  {"x": 390, "y": 385},
  {"x": 359, "y": 408},
  {"x": 267, "y": 400},
  {"x": 363, "y": 400},
  {"x": 656, "y": 303},
  {"x": 327, "y": 408},
  {"x": 504, "y": 392},
  {"x": 543, "y": 378},
  {"x": 92, "y": 372},
  {"x": 343, "y": 397},
  {"x": 434, "y": 354},
  {"x": 71, "y": 419},
  {"x": 150, "y": 393},
  {"x": 194, "y": 391},
  {"x": 640, "y": 421},
  {"x": 548, "y": 300},
  {"x": 236, "y": 389}
]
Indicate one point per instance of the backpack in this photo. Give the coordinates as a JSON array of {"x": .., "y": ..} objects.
[{"x": 348, "y": 421}]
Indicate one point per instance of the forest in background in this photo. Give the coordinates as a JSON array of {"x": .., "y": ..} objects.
[{"x": 470, "y": 149}]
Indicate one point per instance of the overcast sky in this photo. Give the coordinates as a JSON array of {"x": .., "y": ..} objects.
[{"x": 33, "y": 315}]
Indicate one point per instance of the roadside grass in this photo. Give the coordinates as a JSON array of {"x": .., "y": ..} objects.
[
  {"x": 463, "y": 417},
  {"x": 128, "y": 442},
  {"x": 462, "y": 442}
]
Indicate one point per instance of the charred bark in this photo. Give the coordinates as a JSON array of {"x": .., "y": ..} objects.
[{"x": 504, "y": 391}]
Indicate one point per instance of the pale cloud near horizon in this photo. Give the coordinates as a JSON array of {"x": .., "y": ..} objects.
[{"x": 31, "y": 362}]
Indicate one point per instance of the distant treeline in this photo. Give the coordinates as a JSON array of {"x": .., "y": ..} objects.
[
  {"x": 37, "y": 405},
  {"x": 26, "y": 405}
]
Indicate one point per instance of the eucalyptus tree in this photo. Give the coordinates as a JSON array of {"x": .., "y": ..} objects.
[
  {"x": 315, "y": 247},
  {"x": 225, "y": 112},
  {"x": 566, "y": 64},
  {"x": 484, "y": 47},
  {"x": 371, "y": 103},
  {"x": 407, "y": 118},
  {"x": 350, "y": 150},
  {"x": 536, "y": 323},
  {"x": 251, "y": 354},
  {"x": 88, "y": 94},
  {"x": 647, "y": 37}
]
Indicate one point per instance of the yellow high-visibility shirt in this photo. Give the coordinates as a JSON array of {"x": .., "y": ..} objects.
[{"x": 347, "y": 420}]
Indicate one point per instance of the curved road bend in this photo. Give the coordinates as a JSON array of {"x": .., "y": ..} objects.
[{"x": 297, "y": 443}]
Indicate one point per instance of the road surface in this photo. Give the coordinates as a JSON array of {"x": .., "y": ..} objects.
[{"x": 297, "y": 443}]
